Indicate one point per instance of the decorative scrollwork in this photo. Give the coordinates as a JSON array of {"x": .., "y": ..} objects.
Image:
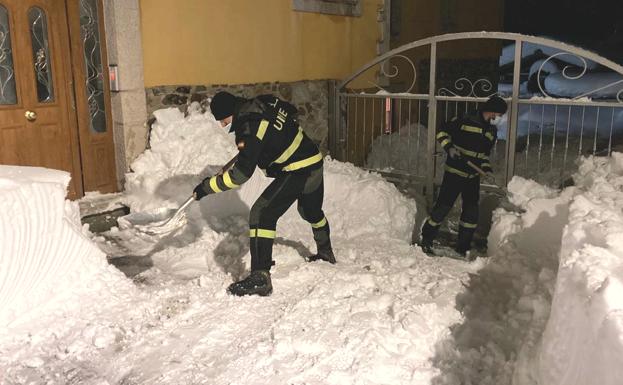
[
  {"x": 93, "y": 62},
  {"x": 395, "y": 72},
  {"x": 41, "y": 52},
  {"x": 564, "y": 70},
  {"x": 568, "y": 76},
  {"x": 481, "y": 88},
  {"x": 3, "y": 51},
  {"x": 7, "y": 81}
]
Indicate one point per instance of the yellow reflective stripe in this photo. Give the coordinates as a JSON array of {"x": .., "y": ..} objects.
[
  {"x": 468, "y": 225},
  {"x": 262, "y": 233},
  {"x": 213, "y": 185},
  {"x": 318, "y": 225},
  {"x": 489, "y": 135},
  {"x": 473, "y": 154},
  {"x": 228, "y": 182},
  {"x": 290, "y": 150},
  {"x": 459, "y": 172},
  {"x": 303, "y": 163},
  {"x": 261, "y": 130},
  {"x": 444, "y": 142},
  {"x": 485, "y": 165},
  {"x": 441, "y": 134},
  {"x": 432, "y": 222},
  {"x": 477, "y": 130}
]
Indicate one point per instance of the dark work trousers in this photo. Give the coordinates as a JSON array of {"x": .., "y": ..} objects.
[
  {"x": 305, "y": 187},
  {"x": 451, "y": 186}
]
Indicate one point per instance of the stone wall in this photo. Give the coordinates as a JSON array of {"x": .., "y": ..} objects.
[{"x": 311, "y": 97}]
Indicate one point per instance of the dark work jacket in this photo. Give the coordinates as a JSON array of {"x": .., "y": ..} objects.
[
  {"x": 269, "y": 137},
  {"x": 474, "y": 138}
]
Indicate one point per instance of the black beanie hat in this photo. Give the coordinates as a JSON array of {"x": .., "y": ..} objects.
[
  {"x": 222, "y": 105},
  {"x": 494, "y": 104}
]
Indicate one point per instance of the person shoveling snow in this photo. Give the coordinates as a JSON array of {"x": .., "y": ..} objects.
[
  {"x": 268, "y": 135},
  {"x": 468, "y": 142}
]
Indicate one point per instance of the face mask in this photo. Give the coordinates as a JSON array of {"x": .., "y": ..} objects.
[
  {"x": 227, "y": 127},
  {"x": 495, "y": 121}
]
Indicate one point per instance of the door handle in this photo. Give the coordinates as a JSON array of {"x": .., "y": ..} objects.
[{"x": 31, "y": 116}]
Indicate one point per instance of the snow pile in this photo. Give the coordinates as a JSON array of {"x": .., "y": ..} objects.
[
  {"x": 195, "y": 145},
  {"x": 384, "y": 314},
  {"x": 583, "y": 342},
  {"x": 524, "y": 190},
  {"x": 506, "y": 305},
  {"x": 564, "y": 253},
  {"x": 372, "y": 318},
  {"x": 403, "y": 150},
  {"x": 186, "y": 149},
  {"x": 44, "y": 258}
]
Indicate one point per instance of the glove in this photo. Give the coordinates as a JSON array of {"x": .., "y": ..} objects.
[
  {"x": 454, "y": 153},
  {"x": 199, "y": 192},
  {"x": 489, "y": 177}
]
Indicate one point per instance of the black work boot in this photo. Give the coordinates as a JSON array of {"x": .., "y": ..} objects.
[
  {"x": 324, "y": 254},
  {"x": 427, "y": 246},
  {"x": 461, "y": 251},
  {"x": 257, "y": 283}
]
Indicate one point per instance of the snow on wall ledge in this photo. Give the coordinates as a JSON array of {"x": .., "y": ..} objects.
[
  {"x": 43, "y": 253},
  {"x": 583, "y": 340}
]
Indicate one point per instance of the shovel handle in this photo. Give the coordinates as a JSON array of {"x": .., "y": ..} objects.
[
  {"x": 480, "y": 171},
  {"x": 229, "y": 164},
  {"x": 483, "y": 174},
  {"x": 190, "y": 200}
]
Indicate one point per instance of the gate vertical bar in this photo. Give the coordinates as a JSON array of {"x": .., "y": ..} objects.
[
  {"x": 432, "y": 120},
  {"x": 512, "y": 130},
  {"x": 334, "y": 149},
  {"x": 333, "y": 117}
]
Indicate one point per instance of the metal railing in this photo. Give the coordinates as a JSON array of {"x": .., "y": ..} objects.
[{"x": 393, "y": 132}]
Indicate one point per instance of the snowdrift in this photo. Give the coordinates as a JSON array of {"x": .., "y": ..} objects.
[
  {"x": 565, "y": 251},
  {"x": 583, "y": 341},
  {"x": 44, "y": 257},
  {"x": 185, "y": 149},
  {"x": 561, "y": 257},
  {"x": 403, "y": 150}
]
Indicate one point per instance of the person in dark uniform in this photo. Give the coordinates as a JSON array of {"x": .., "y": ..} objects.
[
  {"x": 469, "y": 138},
  {"x": 268, "y": 136}
]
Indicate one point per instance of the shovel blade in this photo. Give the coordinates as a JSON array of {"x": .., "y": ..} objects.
[
  {"x": 155, "y": 222},
  {"x": 168, "y": 226}
]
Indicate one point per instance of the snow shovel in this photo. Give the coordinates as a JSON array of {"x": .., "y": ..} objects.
[
  {"x": 482, "y": 173},
  {"x": 163, "y": 221},
  {"x": 505, "y": 203}
]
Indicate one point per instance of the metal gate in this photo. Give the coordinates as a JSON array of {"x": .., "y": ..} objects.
[{"x": 564, "y": 102}]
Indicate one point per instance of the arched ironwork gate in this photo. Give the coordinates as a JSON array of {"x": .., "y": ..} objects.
[{"x": 564, "y": 102}]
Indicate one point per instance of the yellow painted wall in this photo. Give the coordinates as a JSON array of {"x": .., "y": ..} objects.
[{"x": 251, "y": 41}]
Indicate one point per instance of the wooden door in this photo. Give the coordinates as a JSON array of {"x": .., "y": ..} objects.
[
  {"x": 88, "y": 49},
  {"x": 38, "y": 124}
]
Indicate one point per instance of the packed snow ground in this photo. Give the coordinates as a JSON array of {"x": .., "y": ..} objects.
[
  {"x": 372, "y": 318},
  {"x": 385, "y": 314}
]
